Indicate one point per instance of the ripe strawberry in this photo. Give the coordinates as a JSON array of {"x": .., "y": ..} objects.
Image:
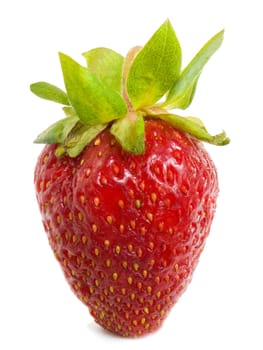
[{"x": 126, "y": 190}]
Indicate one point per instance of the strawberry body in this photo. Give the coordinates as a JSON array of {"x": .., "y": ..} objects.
[{"x": 128, "y": 229}]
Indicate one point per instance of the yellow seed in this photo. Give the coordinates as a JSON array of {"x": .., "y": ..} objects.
[
  {"x": 158, "y": 294},
  {"x": 99, "y": 154},
  {"x": 111, "y": 289},
  {"x": 153, "y": 197},
  {"x": 143, "y": 320},
  {"x": 157, "y": 279},
  {"x": 96, "y": 201},
  {"x": 138, "y": 203},
  {"x": 139, "y": 252},
  {"x": 149, "y": 216},
  {"x": 82, "y": 199},
  {"x": 97, "y": 142},
  {"x": 123, "y": 291},
  {"x": 103, "y": 180},
  {"x": 109, "y": 219},
  {"x": 149, "y": 289},
  {"x": 139, "y": 285},
  {"x": 125, "y": 264},
  {"x": 113, "y": 142},
  {"x": 133, "y": 224},
  {"x": 91, "y": 289},
  {"x": 143, "y": 230},
  {"x": 151, "y": 262},
  {"x": 132, "y": 296},
  {"x": 88, "y": 171},
  {"x": 135, "y": 323},
  {"x": 97, "y": 283},
  {"x": 80, "y": 216},
  {"x": 97, "y": 251},
  {"x": 141, "y": 300},
  {"x": 145, "y": 273},
  {"x": 74, "y": 238},
  {"x": 82, "y": 162},
  {"x": 142, "y": 185},
  {"x": 146, "y": 310},
  {"x": 102, "y": 315},
  {"x": 115, "y": 276},
  {"x": 136, "y": 266},
  {"x": 151, "y": 245},
  {"x": 94, "y": 228},
  {"x": 121, "y": 228},
  {"x": 130, "y": 247},
  {"x": 73, "y": 273},
  {"x": 117, "y": 249},
  {"x": 129, "y": 279},
  {"x": 121, "y": 204},
  {"x": 108, "y": 262},
  {"x": 70, "y": 216},
  {"x": 58, "y": 219},
  {"x": 45, "y": 158},
  {"x": 84, "y": 239},
  {"x": 106, "y": 243}
]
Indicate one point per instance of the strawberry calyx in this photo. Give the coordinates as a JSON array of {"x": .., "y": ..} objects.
[{"x": 119, "y": 93}]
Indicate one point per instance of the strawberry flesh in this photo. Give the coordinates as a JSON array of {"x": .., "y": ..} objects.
[{"x": 128, "y": 229}]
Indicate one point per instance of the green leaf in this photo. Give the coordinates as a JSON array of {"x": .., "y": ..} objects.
[
  {"x": 182, "y": 93},
  {"x": 57, "y": 132},
  {"x": 49, "y": 92},
  {"x": 107, "y": 65},
  {"x": 129, "y": 132},
  {"x": 80, "y": 137},
  {"x": 155, "y": 68},
  {"x": 195, "y": 127},
  {"x": 93, "y": 102}
]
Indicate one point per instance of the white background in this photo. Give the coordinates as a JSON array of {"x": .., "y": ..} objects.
[{"x": 223, "y": 307}]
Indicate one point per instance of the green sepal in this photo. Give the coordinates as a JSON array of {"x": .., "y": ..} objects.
[
  {"x": 81, "y": 136},
  {"x": 69, "y": 111},
  {"x": 194, "y": 127},
  {"x": 57, "y": 132},
  {"x": 155, "y": 68},
  {"x": 49, "y": 92},
  {"x": 182, "y": 93},
  {"x": 129, "y": 132},
  {"x": 93, "y": 102},
  {"x": 107, "y": 65}
]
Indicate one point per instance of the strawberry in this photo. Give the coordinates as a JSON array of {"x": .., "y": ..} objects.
[{"x": 126, "y": 190}]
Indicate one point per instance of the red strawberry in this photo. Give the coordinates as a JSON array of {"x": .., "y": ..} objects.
[{"x": 126, "y": 190}]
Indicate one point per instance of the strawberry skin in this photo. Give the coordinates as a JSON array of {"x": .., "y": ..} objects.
[{"x": 128, "y": 229}]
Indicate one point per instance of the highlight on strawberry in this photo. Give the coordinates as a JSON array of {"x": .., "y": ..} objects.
[{"x": 126, "y": 189}]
